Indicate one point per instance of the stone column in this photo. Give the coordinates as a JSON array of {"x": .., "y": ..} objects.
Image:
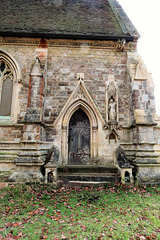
[
  {"x": 94, "y": 150},
  {"x": 64, "y": 145}
]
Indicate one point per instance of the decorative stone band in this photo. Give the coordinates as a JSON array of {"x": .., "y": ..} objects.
[{"x": 51, "y": 43}]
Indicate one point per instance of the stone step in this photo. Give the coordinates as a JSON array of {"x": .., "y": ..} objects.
[
  {"x": 87, "y": 175},
  {"x": 8, "y": 152},
  {"x": 6, "y": 158},
  {"x": 78, "y": 184},
  {"x": 90, "y": 178},
  {"x": 86, "y": 169}
]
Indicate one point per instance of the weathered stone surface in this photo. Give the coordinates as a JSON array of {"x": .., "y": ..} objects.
[
  {"x": 12, "y": 133},
  {"x": 149, "y": 174},
  {"x": 26, "y": 177},
  {"x": 33, "y": 115}
]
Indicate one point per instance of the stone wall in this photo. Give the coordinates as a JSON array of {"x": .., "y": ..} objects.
[
  {"x": 11, "y": 133},
  {"x": 96, "y": 64},
  {"x": 63, "y": 63},
  {"x": 49, "y": 86}
]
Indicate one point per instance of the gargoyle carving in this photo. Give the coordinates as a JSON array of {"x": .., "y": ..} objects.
[{"x": 121, "y": 44}]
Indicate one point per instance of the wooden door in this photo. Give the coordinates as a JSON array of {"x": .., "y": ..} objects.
[{"x": 79, "y": 139}]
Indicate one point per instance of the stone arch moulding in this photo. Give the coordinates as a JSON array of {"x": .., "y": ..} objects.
[
  {"x": 65, "y": 128},
  {"x": 13, "y": 65},
  {"x": 114, "y": 132},
  {"x": 80, "y": 98},
  {"x": 85, "y": 107}
]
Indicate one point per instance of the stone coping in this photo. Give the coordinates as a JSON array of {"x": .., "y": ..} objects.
[
  {"x": 148, "y": 165},
  {"x": 143, "y": 124},
  {"x": 11, "y": 125},
  {"x": 138, "y": 143},
  {"x": 10, "y": 142}
]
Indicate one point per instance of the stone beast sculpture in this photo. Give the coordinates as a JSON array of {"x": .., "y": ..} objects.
[
  {"x": 52, "y": 150},
  {"x": 124, "y": 165}
]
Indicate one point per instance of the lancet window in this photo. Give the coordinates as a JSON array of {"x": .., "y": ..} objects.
[
  {"x": 6, "y": 87},
  {"x": 10, "y": 83}
]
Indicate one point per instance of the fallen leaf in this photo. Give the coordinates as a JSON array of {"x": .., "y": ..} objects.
[
  {"x": 2, "y": 229},
  {"x": 63, "y": 237},
  {"x": 142, "y": 238}
]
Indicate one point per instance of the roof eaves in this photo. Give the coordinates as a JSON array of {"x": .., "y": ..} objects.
[{"x": 64, "y": 36}]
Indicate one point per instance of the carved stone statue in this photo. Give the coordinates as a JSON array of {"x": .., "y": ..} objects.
[{"x": 112, "y": 110}]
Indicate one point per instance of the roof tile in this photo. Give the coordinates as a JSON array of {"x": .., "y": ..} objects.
[{"x": 92, "y": 18}]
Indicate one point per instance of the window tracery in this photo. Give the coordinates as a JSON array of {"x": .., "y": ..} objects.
[{"x": 10, "y": 84}]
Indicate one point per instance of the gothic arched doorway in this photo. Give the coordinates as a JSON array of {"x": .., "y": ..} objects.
[{"x": 79, "y": 139}]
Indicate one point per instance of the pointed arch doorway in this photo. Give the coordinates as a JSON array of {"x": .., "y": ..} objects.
[{"x": 79, "y": 139}]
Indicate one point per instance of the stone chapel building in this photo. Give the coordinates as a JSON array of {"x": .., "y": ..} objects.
[{"x": 76, "y": 100}]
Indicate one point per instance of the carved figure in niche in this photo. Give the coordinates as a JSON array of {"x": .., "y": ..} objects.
[{"x": 112, "y": 110}]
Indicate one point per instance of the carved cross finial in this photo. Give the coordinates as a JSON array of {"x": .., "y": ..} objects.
[{"x": 80, "y": 76}]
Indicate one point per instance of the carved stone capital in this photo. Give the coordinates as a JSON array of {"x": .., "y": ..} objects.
[
  {"x": 94, "y": 128},
  {"x": 105, "y": 127},
  {"x": 64, "y": 128}
]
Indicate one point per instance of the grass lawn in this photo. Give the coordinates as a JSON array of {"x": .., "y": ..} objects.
[{"x": 111, "y": 212}]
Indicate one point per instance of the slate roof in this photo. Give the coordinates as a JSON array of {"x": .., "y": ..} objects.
[{"x": 90, "y": 19}]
